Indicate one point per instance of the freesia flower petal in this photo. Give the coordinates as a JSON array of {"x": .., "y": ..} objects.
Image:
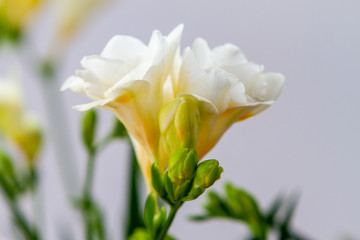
[
  {"x": 74, "y": 84},
  {"x": 88, "y": 106},
  {"x": 267, "y": 86},
  {"x": 126, "y": 49},
  {"x": 213, "y": 85},
  {"x": 229, "y": 117},
  {"x": 93, "y": 86},
  {"x": 109, "y": 71},
  {"x": 228, "y": 55},
  {"x": 203, "y": 54}
]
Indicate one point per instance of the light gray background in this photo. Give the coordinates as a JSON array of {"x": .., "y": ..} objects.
[{"x": 308, "y": 141}]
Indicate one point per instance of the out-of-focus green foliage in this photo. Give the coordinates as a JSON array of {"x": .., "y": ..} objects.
[
  {"x": 239, "y": 205},
  {"x": 14, "y": 15}
]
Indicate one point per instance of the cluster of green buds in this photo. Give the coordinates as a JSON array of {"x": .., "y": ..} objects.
[{"x": 185, "y": 179}]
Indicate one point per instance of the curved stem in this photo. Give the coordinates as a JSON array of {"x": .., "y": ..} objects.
[
  {"x": 92, "y": 215},
  {"x": 29, "y": 232},
  {"x": 170, "y": 219}
]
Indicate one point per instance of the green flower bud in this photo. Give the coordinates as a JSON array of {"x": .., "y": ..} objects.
[
  {"x": 182, "y": 165},
  {"x": 88, "y": 128},
  {"x": 207, "y": 173},
  {"x": 179, "y": 124}
]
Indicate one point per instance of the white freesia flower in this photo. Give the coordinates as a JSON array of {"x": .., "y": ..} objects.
[
  {"x": 161, "y": 96},
  {"x": 128, "y": 78}
]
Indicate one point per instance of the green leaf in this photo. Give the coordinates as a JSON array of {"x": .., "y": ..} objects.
[
  {"x": 169, "y": 188},
  {"x": 9, "y": 180},
  {"x": 246, "y": 209},
  {"x": 199, "y": 218},
  {"x": 149, "y": 212},
  {"x": 157, "y": 181},
  {"x": 285, "y": 228},
  {"x": 217, "y": 206},
  {"x": 291, "y": 208},
  {"x": 242, "y": 203},
  {"x": 159, "y": 220},
  {"x": 274, "y": 209},
  {"x": 7, "y": 167},
  {"x": 88, "y": 128}
]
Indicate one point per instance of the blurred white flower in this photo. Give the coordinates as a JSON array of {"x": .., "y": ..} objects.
[
  {"x": 160, "y": 96},
  {"x": 21, "y": 127},
  {"x": 70, "y": 16}
]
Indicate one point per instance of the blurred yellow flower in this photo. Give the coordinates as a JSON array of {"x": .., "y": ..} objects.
[
  {"x": 20, "y": 127},
  {"x": 167, "y": 101},
  {"x": 15, "y": 14},
  {"x": 71, "y": 14}
]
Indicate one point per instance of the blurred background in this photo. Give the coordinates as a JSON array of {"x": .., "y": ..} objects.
[{"x": 307, "y": 142}]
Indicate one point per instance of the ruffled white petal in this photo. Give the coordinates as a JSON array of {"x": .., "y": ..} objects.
[
  {"x": 109, "y": 71},
  {"x": 267, "y": 86},
  {"x": 88, "y": 106},
  {"x": 228, "y": 55},
  {"x": 93, "y": 86},
  {"x": 126, "y": 49},
  {"x": 203, "y": 54},
  {"x": 74, "y": 84}
]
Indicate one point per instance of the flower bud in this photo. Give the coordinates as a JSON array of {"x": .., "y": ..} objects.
[
  {"x": 182, "y": 165},
  {"x": 179, "y": 124},
  {"x": 207, "y": 173},
  {"x": 88, "y": 128}
]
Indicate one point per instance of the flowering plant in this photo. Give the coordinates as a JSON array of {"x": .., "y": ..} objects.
[
  {"x": 172, "y": 105},
  {"x": 175, "y": 108}
]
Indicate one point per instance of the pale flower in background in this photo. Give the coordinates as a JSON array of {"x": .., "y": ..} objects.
[
  {"x": 70, "y": 15},
  {"x": 166, "y": 101},
  {"x": 16, "y": 125},
  {"x": 15, "y": 14}
]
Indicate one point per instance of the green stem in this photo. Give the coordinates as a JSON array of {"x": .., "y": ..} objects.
[
  {"x": 20, "y": 220},
  {"x": 134, "y": 219},
  {"x": 170, "y": 219},
  {"x": 92, "y": 216},
  {"x": 89, "y": 175},
  {"x": 29, "y": 232},
  {"x": 87, "y": 196}
]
